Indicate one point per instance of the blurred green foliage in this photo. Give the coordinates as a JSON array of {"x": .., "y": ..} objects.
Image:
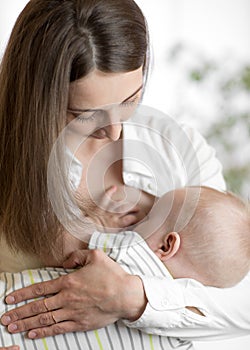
[
  {"x": 199, "y": 74},
  {"x": 227, "y": 81},
  {"x": 245, "y": 78},
  {"x": 237, "y": 176}
]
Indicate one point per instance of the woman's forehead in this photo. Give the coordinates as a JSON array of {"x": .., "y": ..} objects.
[{"x": 100, "y": 89}]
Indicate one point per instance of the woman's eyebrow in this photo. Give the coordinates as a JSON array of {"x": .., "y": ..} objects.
[{"x": 98, "y": 109}]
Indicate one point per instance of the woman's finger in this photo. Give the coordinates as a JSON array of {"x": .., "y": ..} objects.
[
  {"x": 11, "y": 347},
  {"x": 42, "y": 320},
  {"x": 33, "y": 308},
  {"x": 34, "y": 291},
  {"x": 58, "y": 328},
  {"x": 23, "y": 311}
]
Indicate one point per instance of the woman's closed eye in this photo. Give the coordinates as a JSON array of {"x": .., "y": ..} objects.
[
  {"x": 87, "y": 116},
  {"x": 91, "y": 115},
  {"x": 129, "y": 103}
]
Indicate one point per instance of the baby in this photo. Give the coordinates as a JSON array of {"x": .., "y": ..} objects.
[
  {"x": 206, "y": 235},
  {"x": 198, "y": 233},
  {"x": 193, "y": 232}
]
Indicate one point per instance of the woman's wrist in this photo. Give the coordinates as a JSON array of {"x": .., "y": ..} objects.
[{"x": 134, "y": 298}]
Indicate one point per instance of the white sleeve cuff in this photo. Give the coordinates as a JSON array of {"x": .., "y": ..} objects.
[{"x": 167, "y": 301}]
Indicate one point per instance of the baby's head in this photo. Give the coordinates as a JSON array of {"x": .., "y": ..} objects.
[{"x": 205, "y": 236}]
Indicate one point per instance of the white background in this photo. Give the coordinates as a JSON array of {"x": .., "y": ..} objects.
[{"x": 216, "y": 27}]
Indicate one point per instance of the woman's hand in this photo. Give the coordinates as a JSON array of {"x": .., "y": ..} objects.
[
  {"x": 94, "y": 296},
  {"x": 110, "y": 212},
  {"x": 11, "y": 347}
]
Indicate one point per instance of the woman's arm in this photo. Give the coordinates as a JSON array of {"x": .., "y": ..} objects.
[
  {"x": 83, "y": 301},
  {"x": 170, "y": 307},
  {"x": 225, "y": 310},
  {"x": 165, "y": 313}
]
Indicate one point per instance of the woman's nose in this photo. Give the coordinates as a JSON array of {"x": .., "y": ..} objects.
[{"x": 113, "y": 131}]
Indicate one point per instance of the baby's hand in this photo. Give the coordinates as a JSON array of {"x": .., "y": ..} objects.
[
  {"x": 75, "y": 259},
  {"x": 110, "y": 213}
]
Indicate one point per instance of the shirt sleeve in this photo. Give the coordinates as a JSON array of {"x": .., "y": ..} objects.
[
  {"x": 166, "y": 314},
  {"x": 115, "y": 245}
]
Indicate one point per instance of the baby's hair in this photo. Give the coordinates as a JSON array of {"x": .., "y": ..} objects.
[{"x": 217, "y": 238}]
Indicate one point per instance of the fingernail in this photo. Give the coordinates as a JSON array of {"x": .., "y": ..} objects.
[
  {"x": 5, "y": 320},
  {"x": 32, "y": 334},
  {"x": 10, "y": 300},
  {"x": 12, "y": 327}
]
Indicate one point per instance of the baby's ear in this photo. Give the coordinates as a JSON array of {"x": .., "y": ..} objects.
[{"x": 169, "y": 246}]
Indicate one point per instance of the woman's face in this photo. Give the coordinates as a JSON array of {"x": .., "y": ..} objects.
[{"x": 99, "y": 102}]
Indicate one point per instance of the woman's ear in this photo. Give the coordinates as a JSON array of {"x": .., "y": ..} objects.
[{"x": 169, "y": 246}]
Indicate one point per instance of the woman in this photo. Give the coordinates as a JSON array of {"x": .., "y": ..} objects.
[{"x": 64, "y": 60}]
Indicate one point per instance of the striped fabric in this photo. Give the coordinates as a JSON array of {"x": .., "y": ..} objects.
[
  {"x": 131, "y": 252},
  {"x": 113, "y": 337}
]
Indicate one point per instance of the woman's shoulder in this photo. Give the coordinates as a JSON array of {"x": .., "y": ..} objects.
[
  {"x": 150, "y": 123},
  {"x": 176, "y": 154}
]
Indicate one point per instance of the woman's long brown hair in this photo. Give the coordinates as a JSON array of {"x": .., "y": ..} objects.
[{"x": 53, "y": 43}]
